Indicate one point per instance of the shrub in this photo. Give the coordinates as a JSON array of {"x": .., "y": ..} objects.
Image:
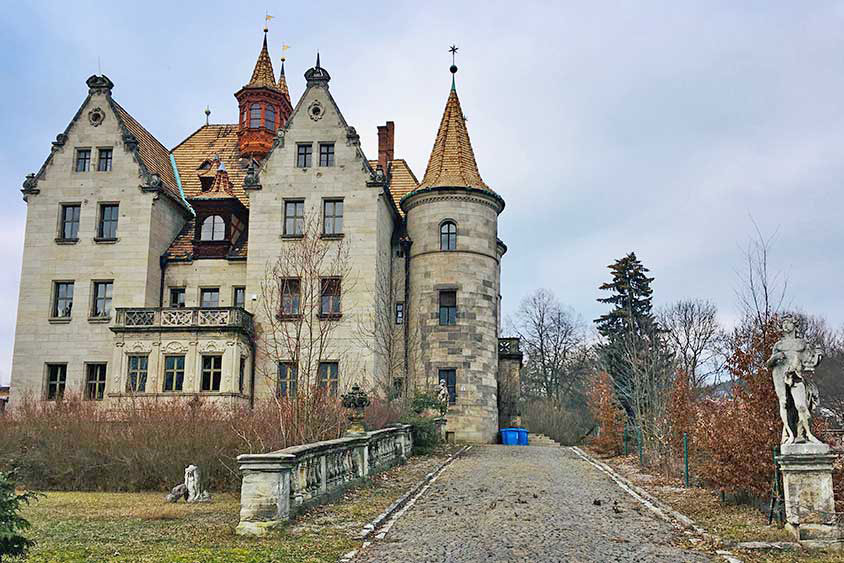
[
  {"x": 382, "y": 413},
  {"x": 424, "y": 430},
  {"x": 566, "y": 424},
  {"x": 12, "y": 524},
  {"x": 609, "y": 416},
  {"x": 427, "y": 401}
]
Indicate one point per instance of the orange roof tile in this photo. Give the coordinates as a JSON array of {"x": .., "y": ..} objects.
[
  {"x": 282, "y": 82},
  {"x": 263, "y": 76},
  {"x": 402, "y": 179},
  {"x": 206, "y": 143}
]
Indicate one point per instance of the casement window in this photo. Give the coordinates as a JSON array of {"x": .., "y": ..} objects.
[
  {"x": 136, "y": 381},
  {"x": 241, "y": 380},
  {"x": 448, "y": 236},
  {"x": 255, "y": 116},
  {"x": 212, "y": 372},
  {"x": 291, "y": 297},
  {"x": 83, "y": 160},
  {"x": 104, "y": 160},
  {"x": 62, "y": 299},
  {"x": 239, "y": 297},
  {"x": 330, "y": 293},
  {"x": 332, "y": 213},
  {"x": 69, "y": 228},
  {"x": 107, "y": 229},
  {"x": 304, "y": 155},
  {"x": 399, "y": 313},
  {"x": 174, "y": 373},
  {"x": 288, "y": 379},
  {"x": 448, "y": 307},
  {"x": 328, "y": 377},
  {"x": 450, "y": 378},
  {"x": 326, "y": 154},
  {"x": 102, "y": 299},
  {"x": 177, "y": 297},
  {"x": 209, "y": 297},
  {"x": 269, "y": 117},
  {"x": 56, "y": 381},
  {"x": 294, "y": 218},
  {"x": 95, "y": 382},
  {"x": 213, "y": 228}
]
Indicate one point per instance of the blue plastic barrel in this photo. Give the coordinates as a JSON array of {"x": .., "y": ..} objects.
[
  {"x": 523, "y": 436},
  {"x": 510, "y": 436}
]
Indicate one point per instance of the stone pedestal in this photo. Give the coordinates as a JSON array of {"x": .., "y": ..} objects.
[
  {"x": 440, "y": 423},
  {"x": 264, "y": 492},
  {"x": 809, "y": 501}
]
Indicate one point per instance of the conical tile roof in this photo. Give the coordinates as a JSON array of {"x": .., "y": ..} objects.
[
  {"x": 452, "y": 162},
  {"x": 263, "y": 75},
  {"x": 282, "y": 82}
]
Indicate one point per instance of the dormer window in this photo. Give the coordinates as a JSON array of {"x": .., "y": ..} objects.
[
  {"x": 269, "y": 117},
  {"x": 213, "y": 228},
  {"x": 255, "y": 116}
]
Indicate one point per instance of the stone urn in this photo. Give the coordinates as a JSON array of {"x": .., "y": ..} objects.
[{"x": 356, "y": 401}]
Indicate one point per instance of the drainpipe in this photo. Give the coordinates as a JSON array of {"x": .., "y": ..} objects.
[
  {"x": 405, "y": 244},
  {"x": 162, "y": 265},
  {"x": 252, "y": 373}
]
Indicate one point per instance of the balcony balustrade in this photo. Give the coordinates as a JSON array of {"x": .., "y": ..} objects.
[{"x": 147, "y": 319}]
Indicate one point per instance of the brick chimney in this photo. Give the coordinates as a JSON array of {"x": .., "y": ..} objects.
[{"x": 386, "y": 140}]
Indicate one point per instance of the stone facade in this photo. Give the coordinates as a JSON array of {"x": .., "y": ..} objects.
[{"x": 166, "y": 255}]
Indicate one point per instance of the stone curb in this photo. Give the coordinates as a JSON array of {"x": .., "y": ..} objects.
[
  {"x": 662, "y": 510},
  {"x": 403, "y": 502}
]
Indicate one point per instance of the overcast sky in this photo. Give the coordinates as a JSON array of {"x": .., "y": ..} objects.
[{"x": 654, "y": 127}]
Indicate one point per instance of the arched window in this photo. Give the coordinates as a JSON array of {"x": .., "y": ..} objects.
[
  {"x": 213, "y": 228},
  {"x": 254, "y": 116},
  {"x": 269, "y": 117},
  {"x": 448, "y": 236}
]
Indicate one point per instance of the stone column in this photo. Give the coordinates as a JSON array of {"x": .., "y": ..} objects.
[
  {"x": 809, "y": 500},
  {"x": 264, "y": 492}
]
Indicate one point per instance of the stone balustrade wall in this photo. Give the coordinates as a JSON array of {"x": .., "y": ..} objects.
[{"x": 277, "y": 485}]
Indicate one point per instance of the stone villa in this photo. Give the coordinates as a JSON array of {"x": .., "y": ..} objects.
[{"x": 155, "y": 273}]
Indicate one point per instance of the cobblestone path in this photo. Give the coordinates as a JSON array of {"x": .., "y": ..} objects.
[{"x": 530, "y": 504}]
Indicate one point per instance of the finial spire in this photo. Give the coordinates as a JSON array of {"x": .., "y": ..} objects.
[
  {"x": 263, "y": 75},
  {"x": 317, "y": 60},
  {"x": 453, "y": 50},
  {"x": 267, "y": 18},
  {"x": 207, "y": 114}
]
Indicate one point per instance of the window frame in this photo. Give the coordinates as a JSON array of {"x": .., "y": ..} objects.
[
  {"x": 99, "y": 384},
  {"x": 287, "y": 384},
  {"x": 332, "y": 381},
  {"x": 269, "y": 124},
  {"x": 252, "y": 117},
  {"x": 177, "y": 383},
  {"x": 242, "y": 290},
  {"x": 183, "y": 292},
  {"x": 60, "y": 381},
  {"x": 400, "y": 313},
  {"x": 63, "y": 220},
  {"x": 450, "y": 311},
  {"x": 296, "y": 296},
  {"x": 215, "y": 230},
  {"x": 107, "y": 299},
  {"x": 207, "y": 290},
  {"x": 324, "y": 151},
  {"x": 54, "y": 302},
  {"x": 448, "y": 235},
  {"x": 450, "y": 383},
  {"x": 133, "y": 385},
  {"x": 335, "y": 218},
  {"x": 79, "y": 159},
  {"x": 211, "y": 372},
  {"x": 105, "y": 165},
  {"x": 102, "y": 221},
  {"x": 304, "y": 155},
  {"x": 335, "y": 300},
  {"x": 297, "y": 219}
]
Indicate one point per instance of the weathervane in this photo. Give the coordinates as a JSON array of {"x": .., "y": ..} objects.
[
  {"x": 267, "y": 18},
  {"x": 453, "y": 50},
  {"x": 284, "y": 48}
]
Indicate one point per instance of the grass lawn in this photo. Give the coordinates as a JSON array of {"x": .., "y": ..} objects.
[{"x": 143, "y": 527}]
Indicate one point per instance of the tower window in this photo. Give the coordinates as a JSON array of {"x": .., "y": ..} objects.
[
  {"x": 213, "y": 228},
  {"x": 326, "y": 154},
  {"x": 332, "y": 217},
  {"x": 255, "y": 116},
  {"x": 104, "y": 160},
  {"x": 448, "y": 308},
  {"x": 304, "y": 155},
  {"x": 83, "y": 160},
  {"x": 450, "y": 378},
  {"x": 269, "y": 117},
  {"x": 448, "y": 236}
]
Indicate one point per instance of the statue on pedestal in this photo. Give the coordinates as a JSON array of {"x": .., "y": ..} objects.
[
  {"x": 443, "y": 396},
  {"x": 792, "y": 359}
]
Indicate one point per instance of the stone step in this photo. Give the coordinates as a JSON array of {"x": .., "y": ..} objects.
[{"x": 541, "y": 440}]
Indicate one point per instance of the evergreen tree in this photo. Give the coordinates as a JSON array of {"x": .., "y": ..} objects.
[{"x": 12, "y": 543}]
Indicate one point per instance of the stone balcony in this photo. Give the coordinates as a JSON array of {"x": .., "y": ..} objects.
[{"x": 158, "y": 319}]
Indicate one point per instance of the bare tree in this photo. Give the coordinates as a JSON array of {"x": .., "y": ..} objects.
[
  {"x": 761, "y": 293},
  {"x": 696, "y": 339}
]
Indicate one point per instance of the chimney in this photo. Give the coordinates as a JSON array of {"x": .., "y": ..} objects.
[{"x": 386, "y": 139}]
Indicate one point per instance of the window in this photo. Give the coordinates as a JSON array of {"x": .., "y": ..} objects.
[
  {"x": 288, "y": 379},
  {"x": 294, "y": 218},
  {"x": 450, "y": 378},
  {"x": 212, "y": 372},
  {"x": 304, "y": 154},
  {"x": 174, "y": 373},
  {"x": 213, "y": 228},
  {"x": 290, "y": 297},
  {"x": 137, "y": 380},
  {"x": 448, "y": 307},
  {"x": 332, "y": 211},
  {"x": 330, "y": 292},
  {"x": 209, "y": 297},
  {"x": 239, "y": 297},
  {"x": 328, "y": 377},
  {"x": 326, "y": 154},
  {"x": 242, "y": 376},
  {"x": 102, "y": 299},
  {"x": 269, "y": 117},
  {"x": 62, "y": 300},
  {"x": 448, "y": 236},
  {"x": 107, "y": 228},
  {"x": 56, "y": 381},
  {"x": 83, "y": 160},
  {"x": 104, "y": 160},
  {"x": 399, "y": 313},
  {"x": 95, "y": 382},
  {"x": 254, "y": 116},
  {"x": 177, "y": 297},
  {"x": 70, "y": 221}
]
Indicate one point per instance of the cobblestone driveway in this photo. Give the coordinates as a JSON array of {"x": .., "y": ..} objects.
[{"x": 533, "y": 504}]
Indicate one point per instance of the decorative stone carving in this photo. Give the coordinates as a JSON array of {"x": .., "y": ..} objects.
[
  {"x": 356, "y": 400},
  {"x": 190, "y": 490},
  {"x": 211, "y": 346},
  {"x": 278, "y": 141},
  {"x": 352, "y": 136},
  {"x": 30, "y": 184},
  {"x": 251, "y": 181},
  {"x": 174, "y": 347},
  {"x": 152, "y": 181},
  {"x": 96, "y": 117},
  {"x": 179, "y": 491},
  {"x": 790, "y": 363},
  {"x": 315, "y": 110},
  {"x": 442, "y": 395},
  {"x": 130, "y": 141},
  {"x": 377, "y": 176},
  {"x": 61, "y": 139},
  {"x": 99, "y": 84}
]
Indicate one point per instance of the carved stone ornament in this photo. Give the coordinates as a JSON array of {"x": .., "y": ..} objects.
[
  {"x": 251, "y": 181},
  {"x": 315, "y": 110},
  {"x": 352, "y": 136},
  {"x": 130, "y": 141},
  {"x": 377, "y": 176},
  {"x": 278, "y": 141},
  {"x": 30, "y": 184},
  {"x": 61, "y": 139},
  {"x": 96, "y": 116},
  {"x": 152, "y": 181},
  {"x": 174, "y": 347},
  {"x": 99, "y": 84}
]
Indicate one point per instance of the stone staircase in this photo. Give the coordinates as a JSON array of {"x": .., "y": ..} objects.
[{"x": 541, "y": 440}]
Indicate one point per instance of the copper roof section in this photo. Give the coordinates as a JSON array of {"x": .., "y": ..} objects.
[
  {"x": 263, "y": 75},
  {"x": 452, "y": 162},
  {"x": 194, "y": 158}
]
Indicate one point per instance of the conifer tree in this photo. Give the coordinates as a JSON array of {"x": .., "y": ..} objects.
[{"x": 12, "y": 543}]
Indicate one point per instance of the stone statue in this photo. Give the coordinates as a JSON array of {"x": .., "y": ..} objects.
[
  {"x": 792, "y": 359},
  {"x": 443, "y": 396},
  {"x": 190, "y": 489}
]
